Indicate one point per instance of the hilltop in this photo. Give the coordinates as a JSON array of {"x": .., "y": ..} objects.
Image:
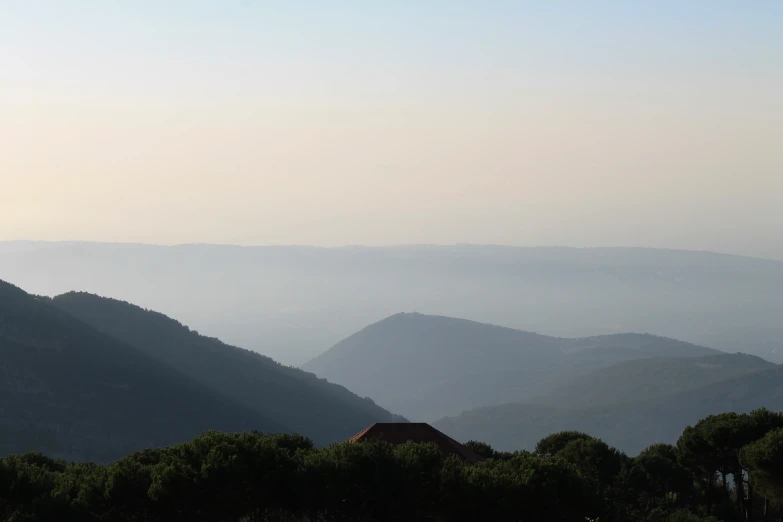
[{"x": 426, "y": 367}]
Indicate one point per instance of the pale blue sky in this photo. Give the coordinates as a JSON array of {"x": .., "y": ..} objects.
[{"x": 580, "y": 123}]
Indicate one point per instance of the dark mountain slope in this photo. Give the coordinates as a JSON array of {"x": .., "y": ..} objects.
[
  {"x": 308, "y": 405},
  {"x": 68, "y": 390},
  {"x": 629, "y": 426},
  {"x": 427, "y": 366},
  {"x": 643, "y": 379}
]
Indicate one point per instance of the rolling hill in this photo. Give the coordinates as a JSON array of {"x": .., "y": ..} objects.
[
  {"x": 297, "y": 399},
  {"x": 426, "y": 367},
  {"x": 630, "y": 426},
  {"x": 649, "y": 378},
  {"x": 71, "y": 391}
]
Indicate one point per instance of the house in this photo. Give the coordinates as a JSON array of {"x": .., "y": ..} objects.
[{"x": 402, "y": 432}]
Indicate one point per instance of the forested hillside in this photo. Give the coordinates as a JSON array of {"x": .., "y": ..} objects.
[
  {"x": 69, "y": 390},
  {"x": 650, "y": 378},
  {"x": 299, "y": 400},
  {"x": 629, "y": 426},
  {"x": 425, "y": 367},
  {"x": 724, "y": 468}
]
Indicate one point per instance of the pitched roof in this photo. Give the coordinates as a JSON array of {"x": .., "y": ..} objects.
[{"x": 402, "y": 432}]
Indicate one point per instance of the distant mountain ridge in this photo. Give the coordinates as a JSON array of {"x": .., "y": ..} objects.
[
  {"x": 301, "y": 401},
  {"x": 427, "y": 366},
  {"x": 71, "y": 391},
  {"x": 291, "y": 302}
]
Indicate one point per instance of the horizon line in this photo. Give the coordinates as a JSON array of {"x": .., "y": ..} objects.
[{"x": 387, "y": 246}]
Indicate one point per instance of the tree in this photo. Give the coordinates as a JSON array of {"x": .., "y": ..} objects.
[
  {"x": 252, "y": 477},
  {"x": 26, "y": 483},
  {"x": 764, "y": 461},
  {"x": 695, "y": 455},
  {"x": 482, "y": 449},
  {"x": 594, "y": 458},
  {"x": 419, "y": 486},
  {"x": 713, "y": 446},
  {"x": 663, "y": 479},
  {"x": 552, "y": 444}
]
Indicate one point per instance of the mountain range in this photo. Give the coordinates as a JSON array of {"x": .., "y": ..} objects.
[
  {"x": 426, "y": 367},
  {"x": 511, "y": 388},
  {"x": 292, "y": 302},
  {"x": 90, "y": 377}
]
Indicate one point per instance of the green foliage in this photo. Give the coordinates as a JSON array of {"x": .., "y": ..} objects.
[
  {"x": 225, "y": 477},
  {"x": 764, "y": 461},
  {"x": 724, "y": 445},
  {"x": 232, "y": 477},
  {"x": 482, "y": 449},
  {"x": 594, "y": 459},
  {"x": 663, "y": 476},
  {"x": 553, "y": 444}
]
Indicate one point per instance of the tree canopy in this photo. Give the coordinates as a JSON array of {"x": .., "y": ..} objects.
[{"x": 714, "y": 473}]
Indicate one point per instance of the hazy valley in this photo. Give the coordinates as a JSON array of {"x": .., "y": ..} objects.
[
  {"x": 92, "y": 378},
  {"x": 472, "y": 380}
]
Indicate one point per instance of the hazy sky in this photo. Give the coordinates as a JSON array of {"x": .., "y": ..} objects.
[{"x": 335, "y": 122}]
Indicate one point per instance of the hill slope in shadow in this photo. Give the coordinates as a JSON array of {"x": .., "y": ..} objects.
[
  {"x": 306, "y": 404},
  {"x": 71, "y": 391}
]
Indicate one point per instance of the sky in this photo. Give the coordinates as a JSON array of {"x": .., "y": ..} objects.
[{"x": 589, "y": 123}]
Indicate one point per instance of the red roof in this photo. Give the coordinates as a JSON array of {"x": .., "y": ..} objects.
[{"x": 402, "y": 432}]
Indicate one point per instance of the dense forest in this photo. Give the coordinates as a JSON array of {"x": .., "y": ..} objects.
[{"x": 727, "y": 467}]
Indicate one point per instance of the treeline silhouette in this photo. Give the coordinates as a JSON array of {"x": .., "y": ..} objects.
[{"x": 726, "y": 467}]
